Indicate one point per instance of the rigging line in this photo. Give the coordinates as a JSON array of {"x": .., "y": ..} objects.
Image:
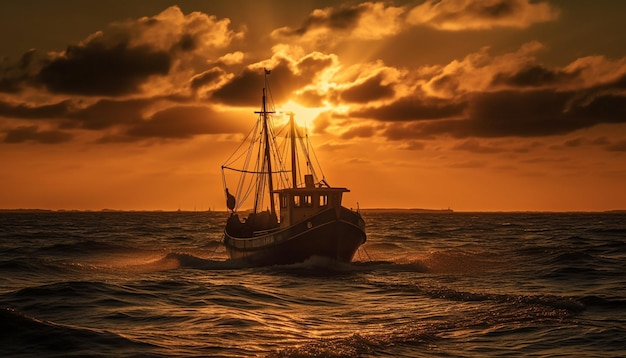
[
  {"x": 224, "y": 185},
  {"x": 253, "y": 172},
  {"x": 241, "y": 145},
  {"x": 275, "y": 144},
  {"x": 316, "y": 160},
  {"x": 243, "y": 192},
  {"x": 310, "y": 166},
  {"x": 285, "y": 178},
  {"x": 278, "y": 158},
  {"x": 239, "y": 191}
]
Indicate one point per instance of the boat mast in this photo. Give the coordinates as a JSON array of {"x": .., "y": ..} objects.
[
  {"x": 294, "y": 174},
  {"x": 266, "y": 138}
]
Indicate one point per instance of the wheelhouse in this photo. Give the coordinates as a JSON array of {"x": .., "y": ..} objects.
[{"x": 298, "y": 204}]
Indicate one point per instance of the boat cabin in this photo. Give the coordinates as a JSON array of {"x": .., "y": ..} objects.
[{"x": 298, "y": 204}]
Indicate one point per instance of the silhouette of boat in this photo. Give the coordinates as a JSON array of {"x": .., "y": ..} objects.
[{"x": 302, "y": 218}]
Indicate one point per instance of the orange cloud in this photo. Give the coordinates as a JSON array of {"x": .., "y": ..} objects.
[
  {"x": 455, "y": 15},
  {"x": 365, "y": 21},
  {"x": 132, "y": 79}
]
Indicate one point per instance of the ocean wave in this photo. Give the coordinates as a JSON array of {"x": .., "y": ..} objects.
[
  {"x": 84, "y": 247},
  {"x": 604, "y": 302},
  {"x": 569, "y": 304},
  {"x": 24, "y": 335},
  {"x": 355, "y": 345}
]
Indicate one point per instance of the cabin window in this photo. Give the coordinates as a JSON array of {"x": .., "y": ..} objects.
[
  {"x": 296, "y": 201},
  {"x": 284, "y": 200},
  {"x": 323, "y": 200},
  {"x": 308, "y": 200}
]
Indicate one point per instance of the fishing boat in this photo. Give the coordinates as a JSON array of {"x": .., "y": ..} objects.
[{"x": 282, "y": 210}]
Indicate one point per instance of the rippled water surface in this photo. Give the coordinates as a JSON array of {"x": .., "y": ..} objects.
[{"x": 460, "y": 284}]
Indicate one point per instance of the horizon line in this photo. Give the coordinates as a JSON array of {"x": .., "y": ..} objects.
[{"x": 379, "y": 209}]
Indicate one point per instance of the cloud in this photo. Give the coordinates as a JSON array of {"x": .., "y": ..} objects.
[
  {"x": 208, "y": 79},
  {"x": 365, "y": 21},
  {"x": 22, "y": 110},
  {"x": 129, "y": 57},
  {"x": 183, "y": 122},
  {"x": 413, "y": 108},
  {"x": 535, "y": 76},
  {"x": 107, "y": 113},
  {"x": 509, "y": 95},
  {"x": 243, "y": 89},
  {"x": 618, "y": 147},
  {"x": 98, "y": 68},
  {"x": 14, "y": 75},
  {"x": 33, "y": 134},
  {"x": 290, "y": 77},
  {"x": 171, "y": 76},
  {"x": 369, "y": 90},
  {"x": 529, "y": 114},
  {"x": 363, "y": 131},
  {"x": 230, "y": 59},
  {"x": 173, "y": 30},
  {"x": 474, "y": 146},
  {"x": 455, "y": 15}
]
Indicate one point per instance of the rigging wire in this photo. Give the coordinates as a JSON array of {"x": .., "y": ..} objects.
[{"x": 253, "y": 173}]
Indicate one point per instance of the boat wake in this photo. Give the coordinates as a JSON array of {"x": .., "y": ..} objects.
[{"x": 174, "y": 260}]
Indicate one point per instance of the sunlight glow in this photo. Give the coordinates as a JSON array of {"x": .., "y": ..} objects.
[{"x": 304, "y": 116}]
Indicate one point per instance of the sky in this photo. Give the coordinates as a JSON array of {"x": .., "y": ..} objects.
[{"x": 494, "y": 105}]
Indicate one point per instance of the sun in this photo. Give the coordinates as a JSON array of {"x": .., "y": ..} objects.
[{"x": 303, "y": 116}]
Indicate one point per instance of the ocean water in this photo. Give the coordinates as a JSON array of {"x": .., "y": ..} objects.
[{"x": 159, "y": 284}]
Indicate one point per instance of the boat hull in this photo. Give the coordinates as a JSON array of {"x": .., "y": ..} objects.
[{"x": 332, "y": 234}]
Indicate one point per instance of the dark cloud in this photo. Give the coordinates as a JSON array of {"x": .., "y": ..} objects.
[
  {"x": 461, "y": 15},
  {"x": 534, "y": 76},
  {"x": 402, "y": 131},
  {"x": 599, "y": 108},
  {"x": 108, "y": 113},
  {"x": 369, "y": 90},
  {"x": 126, "y": 55},
  {"x": 127, "y": 116},
  {"x": 207, "y": 78},
  {"x": 50, "y": 111},
  {"x": 183, "y": 122},
  {"x": 330, "y": 26},
  {"x": 339, "y": 18},
  {"x": 33, "y": 134},
  {"x": 14, "y": 75},
  {"x": 445, "y": 83},
  {"x": 413, "y": 109},
  {"x": 314, "y": 63},
  {"x": 510, "y": 113},
  {"x": 186, "y": 43},
  {"x": 245, "y": 89},
  {"x": 494, "y": 9},
  {"x": 96, "y": 68},
  {"x": 311, "y": 98},
  {"x": 576, "y": 142},
  {"x": 359, "y": 131}
]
